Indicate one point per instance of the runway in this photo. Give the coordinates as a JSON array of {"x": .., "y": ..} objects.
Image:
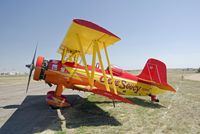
[{"x": 28, "y": 113}]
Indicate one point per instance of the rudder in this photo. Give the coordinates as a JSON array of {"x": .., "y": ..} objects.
[{"x": 154, "y": 70}]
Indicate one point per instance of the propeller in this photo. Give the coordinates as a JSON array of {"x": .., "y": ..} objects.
[{"x": 31, "y": 67}]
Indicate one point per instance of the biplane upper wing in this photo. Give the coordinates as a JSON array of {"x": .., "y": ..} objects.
[{"x": 87, "y": 32}]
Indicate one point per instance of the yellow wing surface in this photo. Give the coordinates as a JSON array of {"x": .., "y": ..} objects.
[
  {"x": 85, "y": 32},
  {"x": 84, "y": 37}
]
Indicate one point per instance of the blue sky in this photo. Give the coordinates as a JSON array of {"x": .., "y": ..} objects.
[{"x": 166, "y": 30}]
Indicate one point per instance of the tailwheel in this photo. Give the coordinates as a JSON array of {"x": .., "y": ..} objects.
[
  {"x": 154, "y": 98},
  {"x": 56, "y": 102}
]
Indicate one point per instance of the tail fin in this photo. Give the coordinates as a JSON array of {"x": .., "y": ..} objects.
[{"x": 156, "y": 71}]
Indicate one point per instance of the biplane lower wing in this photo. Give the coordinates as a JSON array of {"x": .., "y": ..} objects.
[
  {"x": 111, "y": 95},
  {"x": 104, "y": 93}
]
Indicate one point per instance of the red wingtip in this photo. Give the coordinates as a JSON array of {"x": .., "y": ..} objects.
[{"x": 93, "y": 26}]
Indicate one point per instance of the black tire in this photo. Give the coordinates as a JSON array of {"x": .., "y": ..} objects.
[{"x": 53, "y": 107}]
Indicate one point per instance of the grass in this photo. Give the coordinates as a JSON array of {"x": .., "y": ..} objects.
[
  {"x": 60, "y": 132},
  {"x": 176, "y": 113}
]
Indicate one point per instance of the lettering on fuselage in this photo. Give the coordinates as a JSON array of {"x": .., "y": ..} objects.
[{"x": 122, "y": 84}]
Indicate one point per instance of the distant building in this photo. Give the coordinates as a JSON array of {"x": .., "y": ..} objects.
[{"x": 12, "y": 73}]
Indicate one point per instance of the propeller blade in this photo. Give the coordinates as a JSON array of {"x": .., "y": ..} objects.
[
  {"x": 29, "y": 79},
  {"x": 33, "y": 61},
  {"x": 31, "y": 67}
]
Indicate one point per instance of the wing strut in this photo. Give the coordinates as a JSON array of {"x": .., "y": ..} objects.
[
  {"x": 96, "y": 50},
  {"x": 113, "y": 103},
  {"x": 93, "y": 64},
  {"x": 63, "y": 55},
  {"x": 109, "y": 67},
  {"x": 101, "y": 65},
  {"x": 84, "y": 59}
]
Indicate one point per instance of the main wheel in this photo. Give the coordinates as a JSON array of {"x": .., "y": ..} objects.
[
  {"x": 56, "y": 102},
  {"x": 154, "y": 98}
]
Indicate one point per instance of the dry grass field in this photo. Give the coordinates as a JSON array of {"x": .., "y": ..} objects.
[{"x": 176, "y": 113}]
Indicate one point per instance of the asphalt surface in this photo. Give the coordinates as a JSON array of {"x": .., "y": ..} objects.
[{"x": 28, "y": 113}]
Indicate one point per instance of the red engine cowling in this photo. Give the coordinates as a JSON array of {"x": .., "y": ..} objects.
[{"x": 40, "y": 68}]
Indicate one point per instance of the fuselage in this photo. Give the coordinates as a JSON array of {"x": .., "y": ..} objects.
[{"x": 72, "y": 75}]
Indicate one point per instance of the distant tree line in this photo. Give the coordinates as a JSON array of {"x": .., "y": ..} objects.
[{"x": 198, "y": 70}]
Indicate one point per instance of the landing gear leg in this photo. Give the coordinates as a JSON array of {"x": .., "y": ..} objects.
[
  {"x": 154, "y": 98},
  {"x": 55, "y": 99}
]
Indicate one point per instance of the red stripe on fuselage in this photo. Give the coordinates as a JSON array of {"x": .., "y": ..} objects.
[{"x": 124, "y": 74}]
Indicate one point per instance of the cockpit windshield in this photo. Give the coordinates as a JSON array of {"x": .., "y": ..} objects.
[{"x": 116, "y": 70}]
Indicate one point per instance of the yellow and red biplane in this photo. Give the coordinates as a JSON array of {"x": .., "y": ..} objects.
[{"x": 86, "y": 38}]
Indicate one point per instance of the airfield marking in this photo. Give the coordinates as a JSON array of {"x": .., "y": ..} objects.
[{"x": 62, "y": 120}]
